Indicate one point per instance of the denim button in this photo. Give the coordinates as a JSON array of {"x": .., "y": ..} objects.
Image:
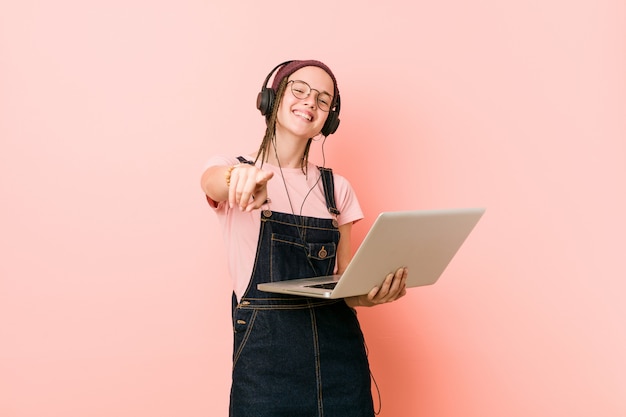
[
  {"x": 322, "y": 253},
  {"x": 267, "y": 213}
]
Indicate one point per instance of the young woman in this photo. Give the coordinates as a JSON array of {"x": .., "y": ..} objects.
[{"x": 283, "y": 218}]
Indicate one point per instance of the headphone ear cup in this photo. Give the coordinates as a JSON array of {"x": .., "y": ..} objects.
[
  {"x": 265, "y": 101},
  {"x": 331, "y": 125}
]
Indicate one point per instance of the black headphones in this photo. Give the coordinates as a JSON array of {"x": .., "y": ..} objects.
[{"x": 265, "y": 103}]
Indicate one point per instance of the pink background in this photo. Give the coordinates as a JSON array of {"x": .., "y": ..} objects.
[{"x": 114, "y": 297}]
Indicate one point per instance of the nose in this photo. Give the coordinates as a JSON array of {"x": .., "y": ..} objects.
[{"x": 311, "y": 99}]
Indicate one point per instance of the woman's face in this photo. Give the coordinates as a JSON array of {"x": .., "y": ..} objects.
[{"x": 303, "y": 116}]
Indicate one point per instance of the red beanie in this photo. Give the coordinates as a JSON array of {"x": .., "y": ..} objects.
[{"x": 293, "y": 66}]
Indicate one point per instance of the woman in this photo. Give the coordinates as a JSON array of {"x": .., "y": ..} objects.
[{"x": 284, "y": 218}]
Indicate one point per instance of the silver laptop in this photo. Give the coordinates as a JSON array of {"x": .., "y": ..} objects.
[{"x": 424, "y": 241}]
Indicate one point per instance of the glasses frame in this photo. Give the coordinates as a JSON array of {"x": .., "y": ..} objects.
[{"x": 317, "y": 98}]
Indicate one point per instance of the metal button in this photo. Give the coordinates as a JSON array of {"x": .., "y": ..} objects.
[
  {"x": 267, "y": 213},
  {"x": 322, "y": 253}
]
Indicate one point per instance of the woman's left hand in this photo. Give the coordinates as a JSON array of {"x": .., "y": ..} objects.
[{"x": 392, "y": 289}]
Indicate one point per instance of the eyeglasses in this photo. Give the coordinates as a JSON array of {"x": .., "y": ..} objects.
[{"x": 302, "y": 90}]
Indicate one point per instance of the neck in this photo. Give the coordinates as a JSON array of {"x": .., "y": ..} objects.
[{"x": 286, "y": 152}]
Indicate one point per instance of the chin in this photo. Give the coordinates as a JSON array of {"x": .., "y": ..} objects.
[{"x": 304, "y": 134}]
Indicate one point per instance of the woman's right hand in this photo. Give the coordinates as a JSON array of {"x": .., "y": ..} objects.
[{"x": 248, "y": 187}]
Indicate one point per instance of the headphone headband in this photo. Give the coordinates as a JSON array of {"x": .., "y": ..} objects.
[{"x": 267, "y": 79}]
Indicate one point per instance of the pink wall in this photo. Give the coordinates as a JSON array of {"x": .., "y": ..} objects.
[{"x": 114, "y": 299}]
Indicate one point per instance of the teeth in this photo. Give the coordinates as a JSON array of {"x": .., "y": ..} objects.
[{"x": 306, "y": 116}]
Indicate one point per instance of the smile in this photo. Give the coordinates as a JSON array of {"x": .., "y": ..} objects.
[{"x": 303, "y": 115}]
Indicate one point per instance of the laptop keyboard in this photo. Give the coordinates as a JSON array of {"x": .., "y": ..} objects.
[{"x": 325, "y": 286}]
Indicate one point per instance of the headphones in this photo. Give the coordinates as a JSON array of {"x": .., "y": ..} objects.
[{"x": 265, "y": 104}]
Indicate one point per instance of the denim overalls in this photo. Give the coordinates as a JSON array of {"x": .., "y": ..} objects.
[{"x": 296, "y": 356}]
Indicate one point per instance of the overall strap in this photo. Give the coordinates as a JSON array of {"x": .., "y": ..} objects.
[
  {"x": 329, "y": 189},
  {"x": 243, "y": 160}
]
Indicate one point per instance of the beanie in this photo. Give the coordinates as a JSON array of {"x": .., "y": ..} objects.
[{"x": 293, "y": 66}]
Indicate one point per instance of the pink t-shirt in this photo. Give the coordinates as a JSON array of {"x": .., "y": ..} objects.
[{"x": 241, "y": 229}]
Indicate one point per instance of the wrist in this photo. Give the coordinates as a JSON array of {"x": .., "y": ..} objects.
[
  {"x": 355, "y": 301},
  {"x": 229, "y": 172}
]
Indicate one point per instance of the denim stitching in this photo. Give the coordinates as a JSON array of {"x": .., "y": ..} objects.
[
  {"x": 318, "y": 366},
  {"x": 245, "y": 338}
]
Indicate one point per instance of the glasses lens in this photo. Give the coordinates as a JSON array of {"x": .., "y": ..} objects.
[
  {"x": 300, "y": 89},
  {"x": 324, "y": 101}
]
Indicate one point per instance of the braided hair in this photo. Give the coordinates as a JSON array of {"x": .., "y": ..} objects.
[{"x": 270, "y": 130}]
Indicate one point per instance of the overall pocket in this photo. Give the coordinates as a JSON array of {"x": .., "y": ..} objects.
[{"x": 299, "y": 259}]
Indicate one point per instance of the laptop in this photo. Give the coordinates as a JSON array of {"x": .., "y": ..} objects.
[{"x": 425, "y": 241}]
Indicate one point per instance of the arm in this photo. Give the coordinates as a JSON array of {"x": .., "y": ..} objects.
[
  {"x": 344, "y": 254},
  {"x": 393, "y": 288},
  {"x": 242, "y": 185},
  {"x": 213, "y": 183}
]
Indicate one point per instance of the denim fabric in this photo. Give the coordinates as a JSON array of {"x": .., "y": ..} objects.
[
  {"x": 296, "y": 356},
  {"x": 329, "y": 189}
]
